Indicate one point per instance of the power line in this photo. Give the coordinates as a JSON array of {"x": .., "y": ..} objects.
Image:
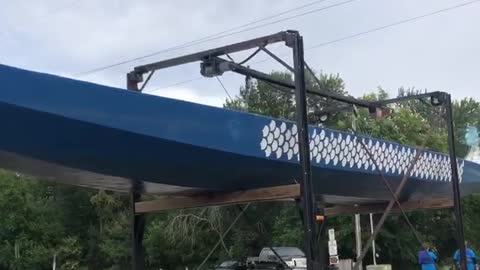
[
  {"x": 350, "y": 36},
  {"x": 393, "y": 24},
  {"x": 199, "y": 41},
  {"x": 220, "y": 35},
  {"x": 224, "y": 88},
  {"x": 177, "y": 83}
]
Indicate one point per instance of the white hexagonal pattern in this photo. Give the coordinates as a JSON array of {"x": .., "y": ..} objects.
[{"x": 335, "y": 149}]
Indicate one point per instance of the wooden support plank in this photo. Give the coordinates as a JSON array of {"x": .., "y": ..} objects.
[
  {"x": 213, "y": 199},
  {"x": 379, "y": 208}
]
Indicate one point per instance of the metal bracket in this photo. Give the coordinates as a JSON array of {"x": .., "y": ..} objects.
[
  {"x": 133, "y": 79},
  {"x": 212, "y": 67}
]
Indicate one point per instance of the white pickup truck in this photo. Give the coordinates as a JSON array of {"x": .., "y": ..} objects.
[{"x": 292, "y": 256}]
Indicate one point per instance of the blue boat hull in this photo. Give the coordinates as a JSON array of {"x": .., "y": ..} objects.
[{"x": 97, "y": 136}]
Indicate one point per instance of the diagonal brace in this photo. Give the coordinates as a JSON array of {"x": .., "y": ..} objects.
[
  {"x": 278, "y": 59},
  {"x": 392, "y": 192},
  {"x": 388, "y": 209}
]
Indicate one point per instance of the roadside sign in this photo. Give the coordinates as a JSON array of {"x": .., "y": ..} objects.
[
  {"x": 331, "y": 234},
  {"x": 332, "y": 250},
  {"x": 332, "y": 247},
  {"x": 334, "y": 260}
]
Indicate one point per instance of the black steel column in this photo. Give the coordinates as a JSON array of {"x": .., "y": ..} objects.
[
  {"x": 306, "y": 186},
  {"x": 457, "y": 204},
  {"x": 138, "y": 220},
  {"x": 138, "y": 229}
]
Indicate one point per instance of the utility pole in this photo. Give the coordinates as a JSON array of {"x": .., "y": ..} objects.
[
  {"x": 374, "y": 249},
  {"x": 358, "y": 238},
  {"x": 54, "y": 263}
]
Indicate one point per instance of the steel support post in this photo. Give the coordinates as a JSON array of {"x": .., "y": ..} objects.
[
  {"x": 138, "y": 229},
  {"x": 306, "y": 185},
  {"x": 322, "y": 243},
  {"x": 455, "y": 183},
  {"x": 138, "y": 220}
]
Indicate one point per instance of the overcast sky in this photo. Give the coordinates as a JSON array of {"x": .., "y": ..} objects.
[{"x": 439, "y": 52}]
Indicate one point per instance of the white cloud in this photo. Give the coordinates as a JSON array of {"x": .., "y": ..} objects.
[{"x": 189, "y": 94}]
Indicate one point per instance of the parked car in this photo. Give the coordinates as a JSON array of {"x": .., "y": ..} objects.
[{"x": 292, "y": 256}]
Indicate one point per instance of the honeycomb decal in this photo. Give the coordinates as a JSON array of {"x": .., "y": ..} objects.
[
  {"x": 278, "y": 140},
  {"x": 336, "y": 149}
]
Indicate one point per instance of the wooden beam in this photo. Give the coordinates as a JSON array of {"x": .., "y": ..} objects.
[
  {"x": 213, "y": 199},
  {"x": 379, "y": 208}
]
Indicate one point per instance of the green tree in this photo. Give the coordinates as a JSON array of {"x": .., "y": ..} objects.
[
  {"x": 267, "y": 99},
  {"x": 29, "y": 227},
  {"x": 68, "y": 254},
  {"x": 111, "y": 232}
]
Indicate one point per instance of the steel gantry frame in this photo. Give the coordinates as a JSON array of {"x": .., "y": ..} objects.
[{"x": 213, "y": 65}]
